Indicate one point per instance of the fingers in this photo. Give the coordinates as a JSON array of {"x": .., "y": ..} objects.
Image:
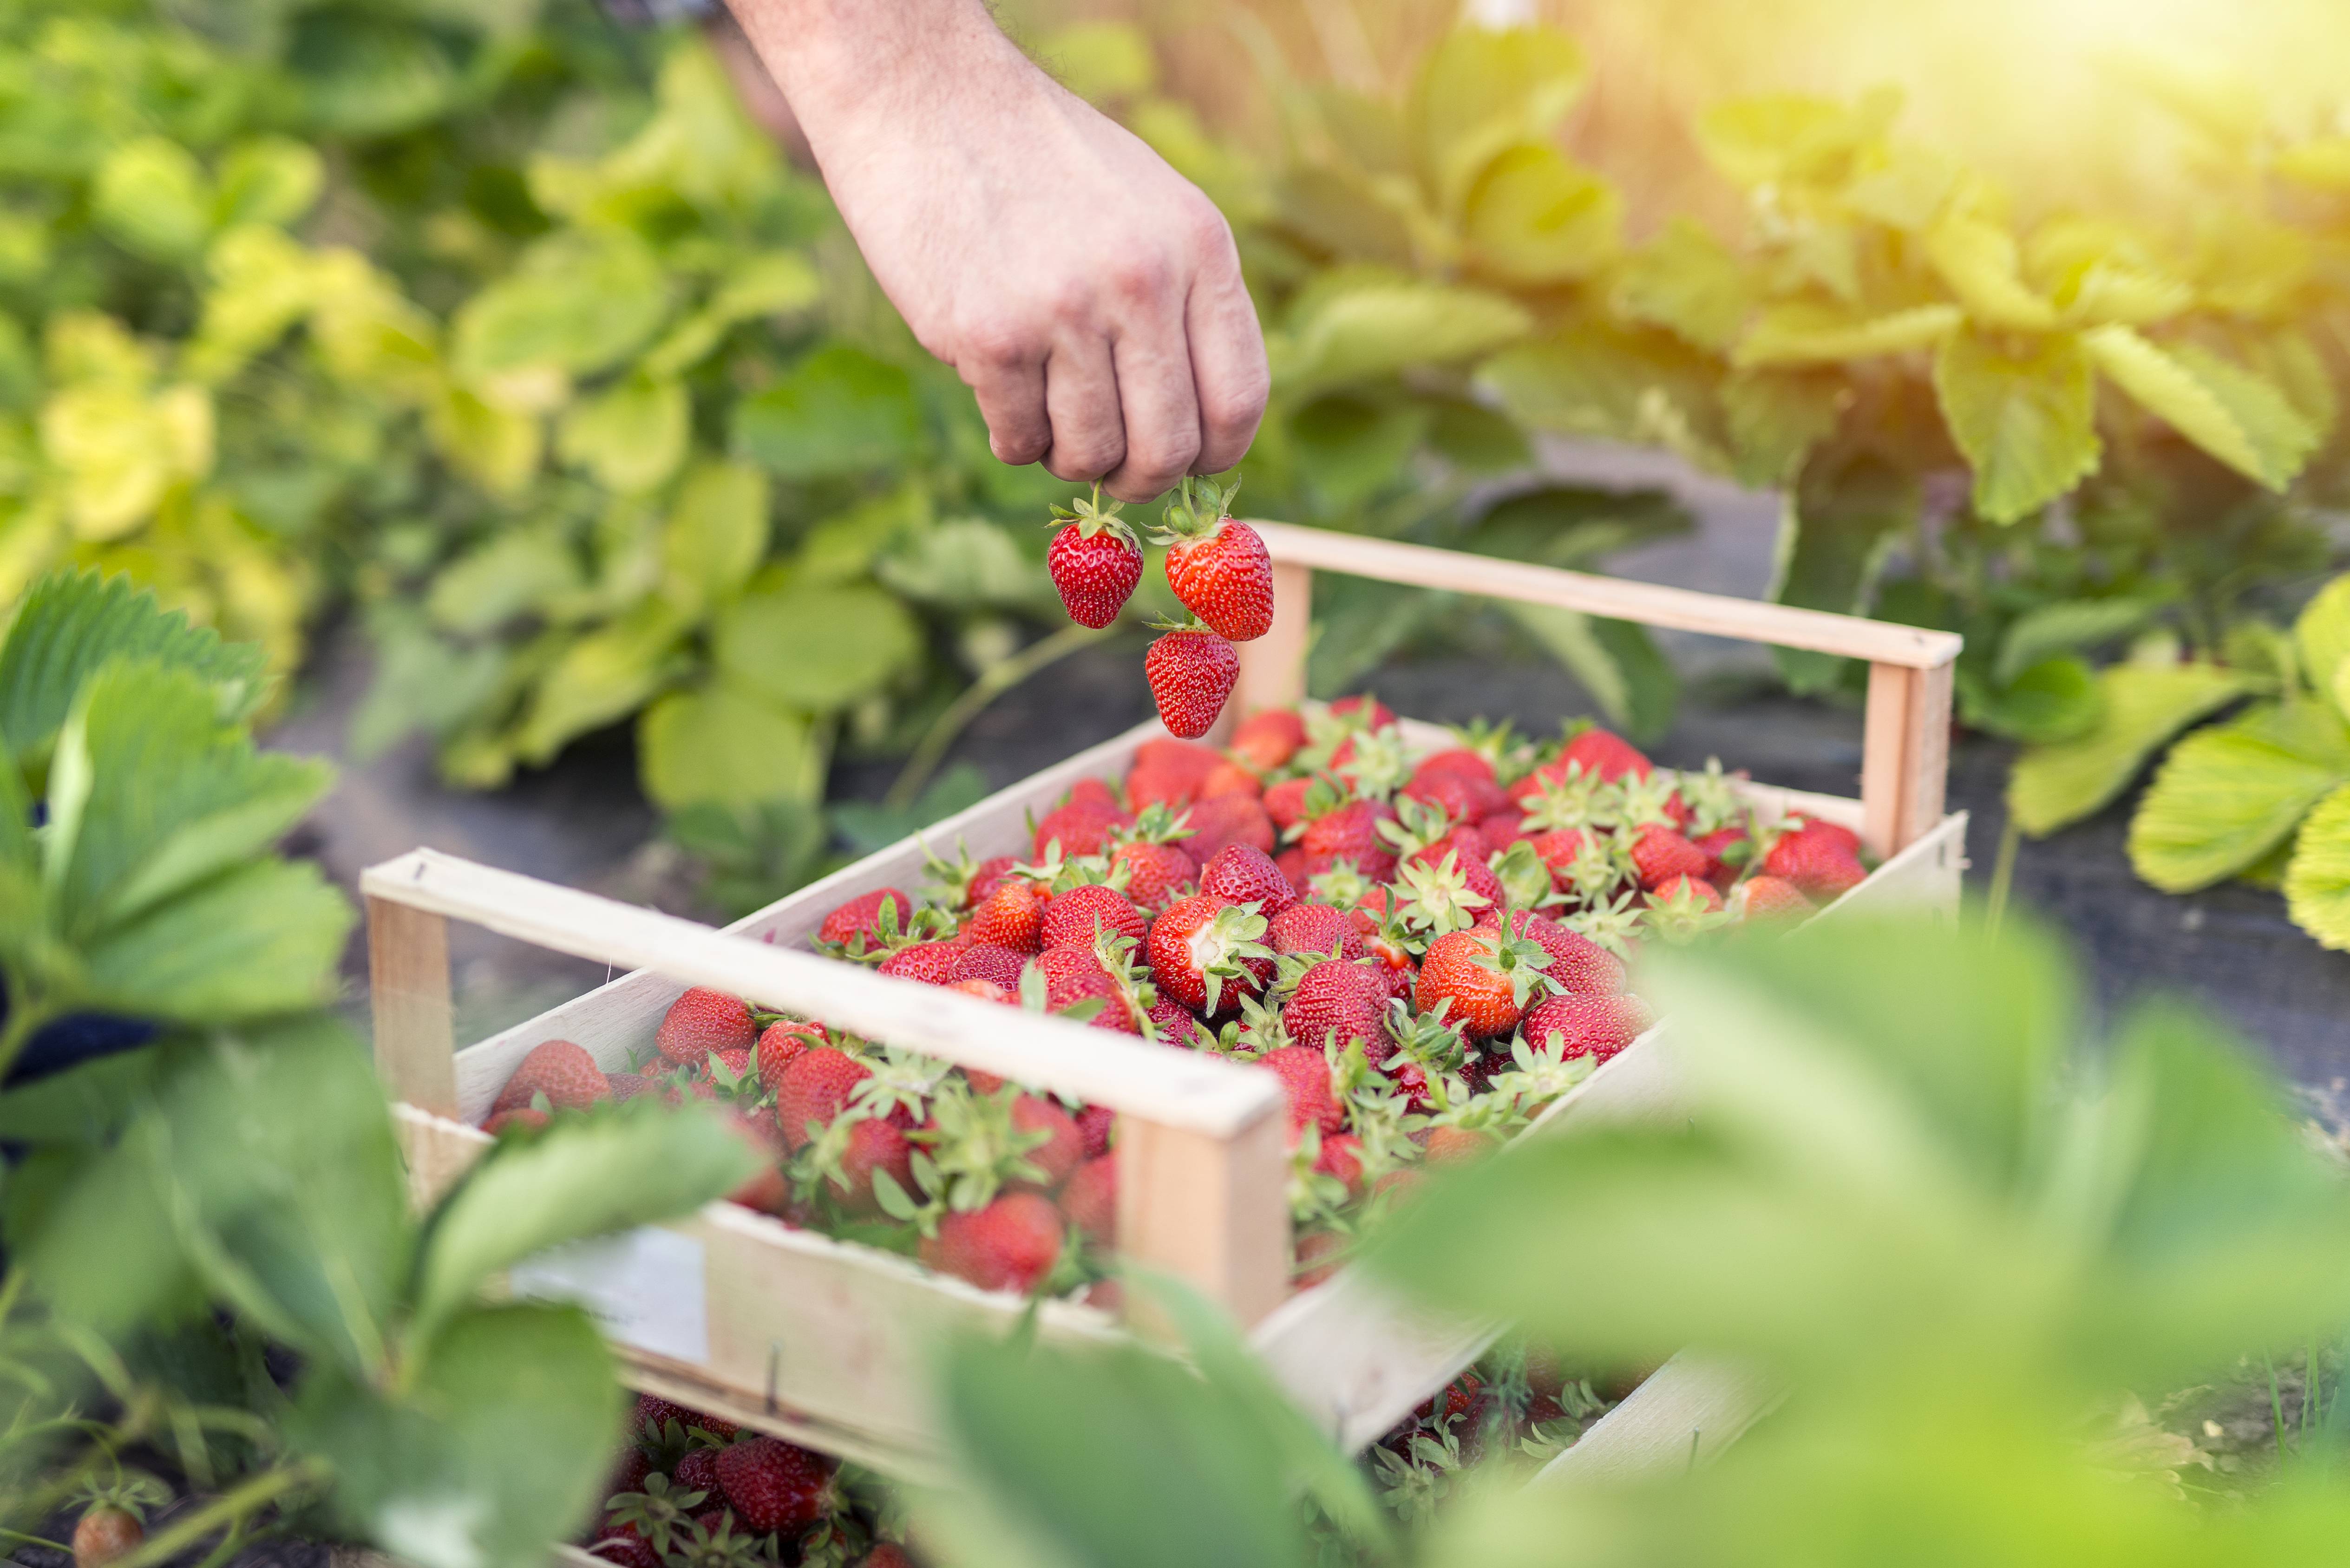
[
  {"x": 1160, "y": 411},
  {"x": 1229, "y": 373},
  {"x": 1010, "y": 388},
  {"x": 1088, "y": 436}
]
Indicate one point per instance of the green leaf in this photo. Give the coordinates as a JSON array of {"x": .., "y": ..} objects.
[
  {"x": 1980, "y": 261},
  {"x": 631, "y": 437},
  {"x": 1532, "y": 217},
  {"x": 1588, "y": 376},
  {"x": 2317, "y": 878},
  {"x": 2024, "y": 410},
  {"x": 2065, "y": 626},
  {"x": 1688, "y": 282},
  {"x": 715, "y": 537},
  {"x": 2057, "y": 699},
  {"x": 1788, "y": 137},
  {"x": 1374, "y": 329},
  {"x": 840, "y": 411},
  {"x": 496, "y": 447},
  {"x": 152, "y": 197},
  {"x": 262, "y": 939},
  {"x": 577, "y": 302},
  {"x": 1807, "y": 333},
  {"x": 1474, "y": 438},
  {"x": 2237, "y": 417},
  {"x": 1338, "y": 212},
  {"x": 69, "y": 623},
  {"x": 2229, "y": 794},
  {"x": 603, "y": 677},
  {"x": 1837, "y": 528},
  {"x": 2146, "y": 705},
  {"x": 516, "y": 571},
  {"x": 2321, "y": 637},
  {"x": 720, "y": 745},
  {"x": 583, "y": 1176},
  {"x": 1576, "y": 525},
  {"x": 1482, "y": 89},
  {"x": 1349, "y": 448},
  {"x": 1776, "y": 417},
  {"x": 1615, "y": 661},
  {"x": 816, "y": 649},
  {"x": 268, "y": 180},
  {"x": 962, "y": 561}
]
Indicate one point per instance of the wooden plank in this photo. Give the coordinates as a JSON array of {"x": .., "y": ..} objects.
[
  {"x": 1213, "y": 1212},
  {"x": 1686, "y": 1412},
  {"x": 1927, "y": 875},
  {"x": 407, "y": 986},
  {"x": 1905, "y": 755},
  {"x": 1683, "y": 609},
  {"x": 1180, "y": 1088},
  {"x": 1272, "y": 667}
]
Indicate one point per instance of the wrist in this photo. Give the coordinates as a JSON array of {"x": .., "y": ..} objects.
[{"x": 842, "y": 63}]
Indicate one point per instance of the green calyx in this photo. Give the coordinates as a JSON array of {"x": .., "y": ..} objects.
[
  {"x": 1092, "y": 517},
  {"x": 1231, "y": 937},
  {"x": 972, "y": 1148},
  {"x": 1195, "y": 509},
  {"x": 1614, "y": 925},
  {"x": 1440, "y": 898},
  {"x": 1520, "y": 960},
  {"x": 1158, "y": 823}
]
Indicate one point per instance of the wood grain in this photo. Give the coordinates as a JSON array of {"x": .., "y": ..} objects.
[{"x": 408, "y": 987}]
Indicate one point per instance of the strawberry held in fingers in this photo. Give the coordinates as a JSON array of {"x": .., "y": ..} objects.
[
  {"x": 1219, "y": 569},
  {"x": 1094, "y": 561},
  {"x": 1192, "y": 674}
]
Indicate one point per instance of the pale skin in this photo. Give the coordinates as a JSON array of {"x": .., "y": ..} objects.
[{"x": 1088, "y": 294}]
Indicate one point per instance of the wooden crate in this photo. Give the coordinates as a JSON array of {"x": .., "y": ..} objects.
[{"x": 829, "y": 1344}]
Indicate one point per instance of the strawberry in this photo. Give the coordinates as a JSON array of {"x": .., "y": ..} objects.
[
  {"x": 1314, "y": 928},
  {"x": 1204, "y": 951},
  {"x": 735, "y": 1059},
  {"x": 1231, "y": 778},
  {"x": 861, "y": 917},
  {"x": 1482, "y": 979},
  {"x": 1702, "y": 894},
  {"x": 626, "y": 1086},
  {"x": 1095, "y": 562},
  {"x": 1723, "y": 857},
  {"x": 561, "y": 1070},
  {"x": 1284, "y": 803},
  {"x": 1169, "y": 772},
  {"x": 105, "y": 1531},
  {"x": 1090, "y": 1200},
  {"x": 1466, "y": 847},
  {"x": 773, "y": 1486},
  {"x": 1072, "y": 917},
  {"x": 1577, "y": 962},
  {"x": 623, "y": 1548},
  {"x": 701, "y": 1022},
  {"x": 1096, "y": 1122},
  {"x": 1363, "y": 711},
  {"x": 1080, "y": 827},
  {"x": 990, "y": 875},
  {"x": 1292, "y": 862},
  {"x": 813, "y": 1089},
  {"x": 1813, "y": 827},
  {"x": 1220, "y": 820},
  {"x": 1769, "y": 898},
  {"x": 1661, "y": 855},
  {"x": 1337, "y": 1001},
  {"x": 1342, "y": 1157},
  {"x": 886, "y": 1554},
  {"x": 1457, "y": 1144},
  {"x": 1009, "y": 1245},
  {"x": 1013, "y": 915},
  {"x": 527, "y": 1117},
  {"x": 1219, "y": 569},
  {"x": 1556, "y": 848},
  {"x": 994, "y": 962},
  {"x": 1462, "y": 759},
  {"x": 1817, "y": 860},
  {"x": 1606, "y": 756},
  {"x": 696, "y": 1470},
  {"x": 1244, "y": 874},
  {"x": 986, "y": 990},
  {"x": 1156, "y": 873},
  {"x": 1317, "y": 1257},
  {"x": 932, "y": 964},
  {"x": 1092, "y": 791},
  {"x": 1586, "y": 1025},
  {"x": 1503, "y": 827},
  {"x": 782, "y": 1043},
  {"x": 1464, "y": 797},
  {"x": 765, "y": 1189},
  {"x": 1304, "y": 1077},
  {"x": 1350, "y": 833},
  {"x": 1268, "y": 738},
  {"x": 1190, "y": 673},
  {"x": 874, "y": 1144}
]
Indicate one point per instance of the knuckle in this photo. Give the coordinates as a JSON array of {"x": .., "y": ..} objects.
[
  {"x": 1142, "y": 277},
  {"x": 996, "y": 344}
]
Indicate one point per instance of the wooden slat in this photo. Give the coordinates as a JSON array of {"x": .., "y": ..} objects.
[
  {"x": 1685, "y": 1413},
  {"x": 1683, "y": 609},
  {"x": 407, "y": 986},
  {"x": 1927, "y": 875},
  {"x": 1273, "y": 668},
  {"x": 1177, "y": 1088},
  {"x": 1905, "y": 755},
  {"x": 1213, "y": 1212}
]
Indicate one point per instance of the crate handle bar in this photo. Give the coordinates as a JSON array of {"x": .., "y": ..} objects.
[{"x": 1905, "y": 748}]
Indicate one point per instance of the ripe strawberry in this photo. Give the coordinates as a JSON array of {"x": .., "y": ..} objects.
[
  {"x": 813, "y": 1089},
  {"x": 1268, "y": 738},
  {"x": 1009, "y": 1245},
  {"x": 861, "y": 917},
  {"x": 1204, "y": 951},
  {"x": 1314, "y": 928},
  {"x": 1190, "y": 673},
  {"x": 1175, "y": 1023},
  {"x": 1012, "y": 917},
  {"x": 1586, "y": 1025},
  {"x": 1342, "y": 1157},
  {"x": 1485, "y": 979},
  {"x": 1284, "y": 803},
  {"x": 1661, "y": 855},
  {"x": 765, "y": 1189},
  {"x": 1464, "y": 797},
  {"x": 622, "y": 1546},
  {"x": 696, "y": 1470},
  {"x": 1609, "y": 756},
  {"x": 1156, "y": 873},
  {"x": 660, "y": 1412},
  {"x": 986, "y": 990},
  {"x": 1466, "y": 845},
  {"x": 1337, "y": 1001},
  {"x": 1556, "y": 849},
  {"x": 1304, "y": 1077},
  {"x": 701, "y": 1022},
  {"x": 1244, "y": 874},
  {"x": 1080, "y": 827},
  {"x": 887, "y": 1554},
  {"x": 1090, "y": 1199},
  {"x": 1503, "y": 827},
  {"x": 1350, "y": 833},
  {"x": 1363, "y": 711},
  {"x": 988, "y": 876},
  {"x": 773, "y": 1486},
  {"x": 1577, "y": 962},
  {"x": 1317, "y": 1257},
  {"x": 1770, "y": 898},
  {"x": 1095, "y": 562},
  {"x": 1231, "y": 778},
  {"x": 932, "y": 964},
  {"x": 523, "y": 1117},
  {"x": 1813, "y": 827},
  {"x": 1817, "y": 861},
  {"x": 782, "y": 1042},
  {"x": 1462, "y": 760},
  {"x": 1094, "y": 792},
  {"x": 1169, "y": 772},
  {"x": 1718, "y": 844},
  {"x": 1219, "y": 569},
  {"x": 1292, "y": 862},
  {"x": 993, "y": 962},
  {"x": 1096, "y": 1122},
  {"x": 875, "y": 1144},
  {"x": 104, "y": 1532},
  {"x": 1703, "y": 894},
  {"x": 561, "y": 1070},
  {"x": 1223, "y": 819},
  {"x": 737, "y": 1060},
  {"x": 1072, "y": 917},
  {"x": 626, "y": 1086}
]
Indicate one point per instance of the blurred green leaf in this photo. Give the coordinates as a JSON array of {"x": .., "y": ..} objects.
[
  {"x": 152, "y": 196},
  {"x": 578, "y": 301},
  {"x": 839, "y": 411},
  {"x": 631, "y": 437},
  {"x": 261, "y": 939},
  {"x": 2317, "y": 878},
  {"x": 1617, "y": 662},
  {"x": 2227, "y": 795},
  {"x": 961, "y": 560},
  {"x": 2055, "y": 700},
  {"x": 816, "y": 649},
  {"x": 2237, "y": 417},
  {"x": 2145, "y": 706},
  {"x": 2321, "y": 636},
  {"x": 1689, "y": 282},
  {"x": 267, "y": 179},
  {"x": 1804, "y": 333},
  {"x": 1376, "y": 328},
  {"x": 1836, "y": 527},
  {"x": 1482, "y": 89},
  {"x": 716, "y": 535},
  {"x": 1349, "y": 448},
  {"x": 511, "y": 573},
  {"x": 869, "y": 827},
  {"x": 2065, "y": 626},
  {"x": 720, "y": 745},
  {"x": 2024, "y": 412},
  {"x": 601, "y": 677},
  {"x": 1532, "y": 218}
]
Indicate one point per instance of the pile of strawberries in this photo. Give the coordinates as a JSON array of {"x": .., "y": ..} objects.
[
  {"x": 1425, "y": 949},
  {"x": 691, "y": 1490}
]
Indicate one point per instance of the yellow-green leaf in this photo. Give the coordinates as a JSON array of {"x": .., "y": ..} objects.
[
  {"x": 151, "y": 196},
  {"x": 1775, "y": 417},
  {"x": 2323, "y": 164},
  {"x": 1778, "y": 138},
  {"x": 1979, "y": 260},
  {"x": 1100, "y": 61},
  {"x": 816, "y": 649},
  {"x": 2146, "y": 705},
  {"x": 1810, "y": 333},
  {"x": 1687, "y": 282},
  {"x": 722, "y": 745},
  {"x": 2317, "y": 878},
  {"x": 2321, "y": 636},
  {"x": 496, "y": 447},
  {"x": 1532, "y": 217},
  {"x": 1481, "y": 90},
  {"x": 2237, "y": 417},
  {"x": 2024, "y": 410},
  {"x": 716, "y": 535},
  {"x": 603, "y": 676},
  {"x": 267, "y": 179},
  {"x": 578, "y": 302},
  {"x": 1378, "y": 329},
  {"x": 631, "y": 436},
  {"x": 2229, "y": 794}
]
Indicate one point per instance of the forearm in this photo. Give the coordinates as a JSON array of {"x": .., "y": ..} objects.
[{"x": 842, "y": 62}]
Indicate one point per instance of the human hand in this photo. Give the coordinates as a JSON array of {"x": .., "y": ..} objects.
[{"x": 1088, "y": 294}]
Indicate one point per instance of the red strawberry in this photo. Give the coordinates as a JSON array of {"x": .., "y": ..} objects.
[
  {"x": 1090, "y": 1199},
  {"x": 626, "y": 1086},
  {"x": 1284, "y": 803},
  {"x": 1317, "y": 1257},
  {"x": 1816, "y": 860},
  {"x": 986, "y": 990},
  {"x": 1467, "y": 848},
  {"x": 1169, "y": 772},
  {"x": 1457, "y": 1144},
  {"x": 1080, "y": 827},
  {"x": 887, "y": 1554},
  {"x": 774, "y": 1486},
  {"x": 1009, "y": 1245},
  {"x": 1577, "y": 962},
  {"x": 1305, "y": 1078},
  {"x": 1351, "y": 833},
  {"x": 1095, "y": 562},
  {"x": 1460, "y": 759},
  {"x": 1464, "y": 797},
  {"x": 1588, "y": 1025},
  {"x": 1337, "y": 1001},
  {"x": 1503, "y": 827},
  {"x": 1096, "y": 1122},
  {"x": 1364, "y": 710},
  {"x": 1072, "y": 917},
  {"x": 1342, "y": 1157},
  {"x": 1155, "y": 872},
  {"x": 737, "y": 1061},
  {"x": 1175, "y": 1023},
  {"x": 1223, "y": 819},
  {"x": 1813, "y": 827},
  {"x": 813, "y": 1089},
  {"x": 781, "y": 1044},
  {"x": 1486, "y": 980},
  {"x": 523, "y": 1116},
  {"x": 1661, "y": 855},
  {"x": 994, "y": 962},
  {"x": 1231, "y": 778},
  {"x": 932, "y": 964},
  {"x": 1246, "y": 875},
  {"x": 862, "y": 916},
  {"x": 875, "y": 1144},
  {"x": 1203, "y": 952},
  {"x": 622, "y": 1546},
  {"x": 1557, "y": 849},
  {"x": 696, "y": 1469},
  {"x": 1218, "y": 569},
  {"x": 1191, "y": 674},
  {"x": 701, "y": 1022},
  {"x": 1012, "y": 917},
  {"x": 1268, "y": 738},
  {"x": 1292, "y": 862},
  {"x": 1314, "y": 928},
  {"x": 990, "y": 875},
  {"x": 660, "y": 1412},
  {"x": 1718, "y": 871},
  {"x": 1092, "y": 791},
  {"x": 1707, "y": 897},
  {"x": 1607, "y": 755},
  {"x": 561, "y": 1070},
  {"x": 1770, "y": 898}
]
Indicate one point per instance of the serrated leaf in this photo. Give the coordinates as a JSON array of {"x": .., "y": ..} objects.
[
  {"x": 2146, "y": 705},
  {"x": 2056, "y": 699},
  {"x": 1532, "y": 217},
  {"x": 715, "y": 536},
  {"x": 720, "y": 745},
  {"x": 1482, "y": 89},
  {"x": 1373, "y": 329},
  {"x": 1687, "y": 282},
  {"x": 2317, "y": 878},
  {"x": 816, "y": 649},
  {"x": 2229, "y": 794},
  {"x": 631, "y": 437},
  {"x": 582, "y": 1177},
  {"x": 839, "y": 411},
  {"x": 70, "y": 623},
  {"x": 1807, "y": 333},
  {"x": 261, "y": 939},
  {"x": 2237, "y": 417},
  {"x": 2024, "y": 410},
  {"x": 2065, "y": 626},
  {"x": 1980, "y": 263},
  {"x": 2321, "y": 636}
]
